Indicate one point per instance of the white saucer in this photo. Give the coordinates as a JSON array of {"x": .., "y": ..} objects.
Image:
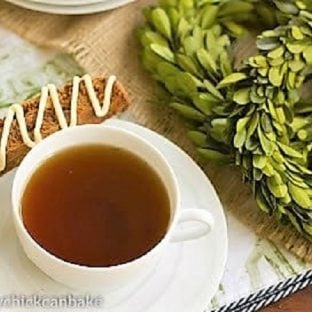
[
  {"x": 94, "y": 7},
  {"x": 187, "y": 276}
]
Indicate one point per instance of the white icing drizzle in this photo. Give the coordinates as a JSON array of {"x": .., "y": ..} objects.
[{"x": 16, "y": 110}]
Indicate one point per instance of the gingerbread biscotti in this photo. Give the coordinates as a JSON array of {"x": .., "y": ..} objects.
[{"x": 82, "y": 101}]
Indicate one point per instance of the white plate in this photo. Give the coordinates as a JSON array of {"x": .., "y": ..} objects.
[
  {"x": 103, "y": 5},
  {"x": 68, "y": 3},
  {"x": 188, "y": 274}
]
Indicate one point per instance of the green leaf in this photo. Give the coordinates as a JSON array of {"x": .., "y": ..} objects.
[
  {"x": 206, "y": 60},
  {"x": 307, "y": 54},
  {"x": 259, "y": 161},
  {"x": 277, "y": 61},
  {"x": 188, "y": 43},
  {"x": 263, "y": 71},
  {"x": 307, "y": 228},
  {"x": 186, "y": 4},
  {"x": 266, "y": 124},
  {"x": 275, "y": 76},
  {"x": 277, "y": 52},
  {"x": 295, "y": 48},
  {"x": 268, "y": 170},
  {"x": 272, "y": 109},
  {"x": 280, "y": 114},
  {"x": 163, "y": 52},
  {"x": 239, "y": 7},
  {"x": 188, "y": 112},
  {"x": 262, "y": 203},
  {"x": 242, "y": 123},
  {"x": 231, "y": 79},
  {"x": 240, "y": 139},
  {"x": 294, "y": 221},
  {"x": 296, "y": 65},
  {"x": 266, "y": 144},
  {"x": 150, "y": 59},
  {"x": 220, "y": 129},
  {"x": 148, "y": 37},
  {"x": 258, "y": 61},
  {"x": 278, "y": 157},
  {"x": 198, "y": 35},
  {"x": 287, "y": 150},
  {"x": 296, "y": 33},
  {"x": 212, "y": 155},
  {"x": 236, "y": 29},
  {"x": 161, "y": 22},
  {"x": 198, "y": 138},
  {"x": 182, "y": 84},
  {"x": 291, "y": 80},
  {"x": 242, "y": 96},
  {"x": 183, "y": 28},
  {"x": 278, "y": 190},
  {"x": 209, "y": 16},
  {"x": 267, "y": 15},
  {"x": 226, "y": 63},
  {"x": 300, "y": 196},
  {"x": 170, "y": 3},
  {"x": 186, "y": 63},
  {"x": 174, "y": 17},
  {"x": 213, "y": 90},
  {"x": 165, "y": 69},
  {"x": 204, "y": 102},
  {"x": 267, "y": 43},
  {"x": 253, "y": 125},
  {"x": 286, "y": 7}
]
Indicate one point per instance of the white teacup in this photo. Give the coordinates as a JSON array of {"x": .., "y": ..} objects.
[{"x": 107, "y": 278}]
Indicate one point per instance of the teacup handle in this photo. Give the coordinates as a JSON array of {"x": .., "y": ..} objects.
[{"x": 202, "y": 217}]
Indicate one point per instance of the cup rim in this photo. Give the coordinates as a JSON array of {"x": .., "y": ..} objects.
[{"x": 16, "y": 198}]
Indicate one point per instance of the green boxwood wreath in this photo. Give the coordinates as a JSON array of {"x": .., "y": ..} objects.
[{"x": 252, "y": 117}]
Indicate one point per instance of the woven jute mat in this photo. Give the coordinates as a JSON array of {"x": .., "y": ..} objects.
[{"x": 105, "y": 43}]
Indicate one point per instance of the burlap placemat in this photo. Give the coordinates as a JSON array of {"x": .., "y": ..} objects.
[{"x": 105, "y": 43}]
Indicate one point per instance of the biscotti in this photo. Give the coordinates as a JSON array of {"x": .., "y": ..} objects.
[{"x": 60, "y": 108}]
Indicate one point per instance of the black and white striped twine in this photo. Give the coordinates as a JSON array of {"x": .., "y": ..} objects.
[{"x": 266, "y": 296}]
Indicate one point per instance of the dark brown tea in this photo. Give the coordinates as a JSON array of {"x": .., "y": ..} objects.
[{"x": 96, "y": 205}]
